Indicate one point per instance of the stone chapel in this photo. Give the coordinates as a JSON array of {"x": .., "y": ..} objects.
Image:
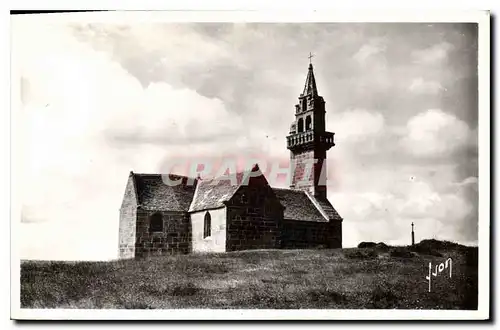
[{"x": 211, "y": 215}]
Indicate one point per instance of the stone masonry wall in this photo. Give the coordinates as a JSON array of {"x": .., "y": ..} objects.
[
  {"x": 126, "y": 231},
  {"x": 308, "y": 234},
  {"x": 255, "y": 224},
  {"x": 301, "y": 159},
  {"x": 315, "y": 183},
  {"x": 174, "y": 238}
]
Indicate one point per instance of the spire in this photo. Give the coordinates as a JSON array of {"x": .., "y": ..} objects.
[{"x": 310, "y": 85}]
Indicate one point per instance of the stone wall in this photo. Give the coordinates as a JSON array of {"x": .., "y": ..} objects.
[
  {"x": 174, "y": 238},
  {"x": 216, "y": 242},
  {"x": 301, "y": 160},
  {"x": 128, "y": 215},
  {"x": 254, "y": 217},
  {"x": 309, "y": 234},
  {"x": 336, "y": 234},
  {"x": 315, "y": 183}
]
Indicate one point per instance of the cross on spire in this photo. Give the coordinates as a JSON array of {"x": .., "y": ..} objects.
[
  {"x": 310, "y": 86},
  {"x": 310, "y": 57}
]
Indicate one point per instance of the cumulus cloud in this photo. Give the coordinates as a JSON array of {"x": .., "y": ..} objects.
[
  {"x": 387, "y": 215},
  {"x": 369, "y": 50},
  {"x": 434, "y": 54},
  {"x": 80, "y": 113},
  {"x": 435, "y": 132},
  {"x": 419, "y": 85},
  {"x": 356, "y": 124}
]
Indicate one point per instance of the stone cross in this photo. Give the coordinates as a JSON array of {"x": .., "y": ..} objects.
[
  {"x": 310, "y": 57},
  {"x": 412, "y": 235}
]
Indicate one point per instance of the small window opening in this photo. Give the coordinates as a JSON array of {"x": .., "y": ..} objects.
[
  {"x": 156, "y": 223},
  {"x": 207, "y": 225}
]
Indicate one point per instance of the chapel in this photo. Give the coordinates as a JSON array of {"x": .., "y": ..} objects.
[{"x": 214, "y": 215}]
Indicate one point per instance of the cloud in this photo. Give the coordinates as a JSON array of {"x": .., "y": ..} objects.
[
  {"x": 468, "y": 181},
  {"x": 435, "y": 133},
  {"x": 432, "y": 55},
  {"x": 357, "y": 124},
  {"x": 85, "y": 122},
  {"x": 421, "y": 86},
  {"x": 174, "y": 116},
  {"x": 369, "y": 50},
  {"x": 446, "y": 214}
]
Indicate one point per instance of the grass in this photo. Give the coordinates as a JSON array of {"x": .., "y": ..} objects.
[{"x": 341, "y": 278}]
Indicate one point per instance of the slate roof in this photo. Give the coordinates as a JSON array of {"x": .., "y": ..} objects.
[
  {"x": 328, "y": 209},
  {"x": 310, "y": 85},
  {"x": 298, "y": 206},
  {"x": 196, "y": 195},
  {"x": 155, "y": 194},
  {"x": 212, "y": 193}
]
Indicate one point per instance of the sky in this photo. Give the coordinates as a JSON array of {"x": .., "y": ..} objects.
[{"x": 99, "y": 100}]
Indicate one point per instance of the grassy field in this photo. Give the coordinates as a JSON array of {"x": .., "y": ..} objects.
[{"x": 379, "y": 277}]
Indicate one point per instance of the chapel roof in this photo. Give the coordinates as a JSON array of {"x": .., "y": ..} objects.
[
  {"x": 192, "y": 195},
  {"x": 212, "y": 193},
  {"x": 153, "y": 192},
  {"x": 302, "y": 206}
]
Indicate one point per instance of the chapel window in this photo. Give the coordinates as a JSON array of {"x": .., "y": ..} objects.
[
  {"x": 156, "y": 222},
  {"x": 207, "y": 225}
]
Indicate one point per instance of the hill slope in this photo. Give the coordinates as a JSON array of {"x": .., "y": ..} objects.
[{"x": 341, "y": 278}]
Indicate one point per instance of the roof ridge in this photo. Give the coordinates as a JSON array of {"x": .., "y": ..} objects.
[
  {"x": 193, "y": 199},
  {"x": 214, "y": 186},
  {"x": 235, "y": 173},
  {"x": 134, "y": 186},
  {"x": 289, "y": 189},
  {"x": 317, "y": 205},
  {"x": 255, "y": 167},
  {"x": 161, "y": 174}
]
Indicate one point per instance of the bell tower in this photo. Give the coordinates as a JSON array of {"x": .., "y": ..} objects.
[{"x": 309, "y": 141}]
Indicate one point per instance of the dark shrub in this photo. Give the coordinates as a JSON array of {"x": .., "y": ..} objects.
[
  {"x": 424, "y": 249},
  {"x": 361, "y": 254},
  {"x": 434, "y": 244},
  {"x": 364, "y": 245},
  {"x": 401, "y": 253},
  {"x": 382, "y": 246}
]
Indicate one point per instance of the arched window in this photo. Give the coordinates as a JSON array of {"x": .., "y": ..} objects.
[
  {"x": 308, "y": 123},
  {"x": 156, "y": 222},
  {"x": 300, "y": 126},
  {"x": 207, "y": 225}
]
